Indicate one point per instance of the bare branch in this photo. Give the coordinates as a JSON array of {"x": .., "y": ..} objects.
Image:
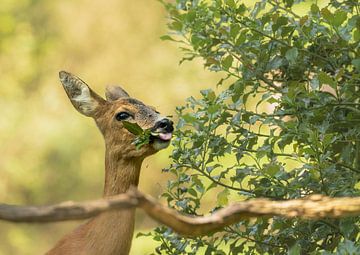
[
  {"x": 311, "y": 207},
  {"x": 66, "y": 210}
]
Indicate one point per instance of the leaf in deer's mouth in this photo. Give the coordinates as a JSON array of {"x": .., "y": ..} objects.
[
  {"x": 142, "y": 136},
  {"x": 133, "y": 128},
  {"x": 142, "y": 139}
]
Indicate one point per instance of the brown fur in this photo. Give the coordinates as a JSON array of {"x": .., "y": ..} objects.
[{"x": 110, "y": 232}]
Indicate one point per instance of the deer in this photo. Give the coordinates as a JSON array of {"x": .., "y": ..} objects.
[{"x": 111, "y": 232}]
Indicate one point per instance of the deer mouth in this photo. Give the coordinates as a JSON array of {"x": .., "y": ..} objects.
[
  {"x": 160, "y": 141},
  {"x": 161, "y": 134}
]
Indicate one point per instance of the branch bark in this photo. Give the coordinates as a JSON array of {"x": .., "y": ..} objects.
[{"x": 311, "y": 207}]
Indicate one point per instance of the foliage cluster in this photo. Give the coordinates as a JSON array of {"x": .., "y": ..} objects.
[{"x": 283, "y": 124}]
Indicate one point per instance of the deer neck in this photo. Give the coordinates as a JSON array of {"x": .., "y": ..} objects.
[
  {"x": 114, "y": 230},
  {"x": 120, "y": 172}
]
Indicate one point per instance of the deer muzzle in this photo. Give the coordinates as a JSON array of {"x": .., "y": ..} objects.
[{"x": 162, "y": 130}]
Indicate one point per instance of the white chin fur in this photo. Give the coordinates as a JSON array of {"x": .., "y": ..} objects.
[{"x": 157, "y": 145}]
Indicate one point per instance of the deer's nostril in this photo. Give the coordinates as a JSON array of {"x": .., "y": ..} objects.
[{"x": 165, "y": 124}]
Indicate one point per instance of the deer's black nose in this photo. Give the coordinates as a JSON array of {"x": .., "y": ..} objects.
[{"x": 165, "y": 125}]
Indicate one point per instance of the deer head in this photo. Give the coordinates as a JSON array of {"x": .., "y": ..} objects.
[{"x": 109, "y": 115}]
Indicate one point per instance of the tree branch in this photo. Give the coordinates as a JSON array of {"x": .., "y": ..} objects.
[
  {"x": 66, "y": 210},
  {"x": 311, "y": 207}
]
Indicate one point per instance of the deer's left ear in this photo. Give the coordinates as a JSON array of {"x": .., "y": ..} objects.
[{"x": 81, "y": 96}]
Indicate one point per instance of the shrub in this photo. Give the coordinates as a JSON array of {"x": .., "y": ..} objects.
[{"x": 283, "y": 122}]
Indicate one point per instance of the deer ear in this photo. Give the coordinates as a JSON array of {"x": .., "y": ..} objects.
[
  {"x": 81, "y": 96},
  {"x": 113, "y": 93}
]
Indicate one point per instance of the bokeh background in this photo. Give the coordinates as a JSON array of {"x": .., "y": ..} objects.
[{"x": 49, "y": 152}]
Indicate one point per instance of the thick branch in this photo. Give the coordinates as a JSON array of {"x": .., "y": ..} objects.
[
  {"x": 66, "y": 210},
  {"x": 311, "y": 207}
]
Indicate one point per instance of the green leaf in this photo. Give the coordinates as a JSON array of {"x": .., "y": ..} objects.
[
  {"x": 189, "y": 118},
  {"x": 272, "y": 100},
  {"x": 142, "y": 139},
  {"x": 213, "y": 108},
  {"x": 327, "y": 14},
  {"x": 191, "y": 16},
  {"x": 209, "y": 94},
  {"x": 241, "y": 9},
  {"x": 176, "y": 25},
  {"x": 227, "y": 62},
  {"x": 143, "y": 234},
  {"x": 231, "y": 3},
  {"x": 253, "y": 119},
  {"x": 275, "y": 63},
  {"x": 356, "y": 63},
  {"x": 357, "y": 35},
  {"x": 289, "y": 3},
  {"x": 272, "y": 169},
  {"x": 280, "y": 21},
  {"x": 222, "y": 197},
  {"x": 348, "y": 247},
  {"x": 166, "y": 38},
  {"x": 142, "y": 136},
  {"x": 133, "y": 128},
  {"x": 325, "y": 79},
  {"x": 195, "y": 40},
  {"x": 339, "y": 17},
  {"x": 295, "y": 250},
  {"x": 234, "y": 30},
  {"x": 291, "y": 55},
  {"x": 211, "y": 61},
  {"x": 347, "y": 227},
  {"x": 314, "y": 9},
  {"x": 192, "y": 192},
  {"x": 241, "y": 39}
]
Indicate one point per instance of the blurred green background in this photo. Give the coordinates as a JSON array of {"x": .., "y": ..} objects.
[{"x": 49, "y": 152}]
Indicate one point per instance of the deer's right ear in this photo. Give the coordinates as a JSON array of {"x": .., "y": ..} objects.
[
  {"x": 81, "y": 96},
  {"x": 113, "y": 93}
]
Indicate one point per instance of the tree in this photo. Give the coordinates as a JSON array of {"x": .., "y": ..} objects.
[{"x": 283, "y": 124}]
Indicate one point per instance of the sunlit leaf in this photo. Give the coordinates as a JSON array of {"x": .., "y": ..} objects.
[{"x": 222, "y": 197}]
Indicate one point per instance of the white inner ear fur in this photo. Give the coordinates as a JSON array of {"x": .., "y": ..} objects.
[{"x": 85, "y": 102}]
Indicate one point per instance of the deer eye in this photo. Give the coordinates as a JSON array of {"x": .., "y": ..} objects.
[{"x": 122, "y": 116}]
